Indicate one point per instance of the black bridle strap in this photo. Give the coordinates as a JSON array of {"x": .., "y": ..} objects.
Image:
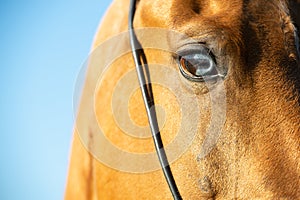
[{"x": 146, "y": 89}]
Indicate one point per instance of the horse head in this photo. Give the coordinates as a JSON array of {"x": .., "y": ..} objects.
[{"x": 226, "y": 75}]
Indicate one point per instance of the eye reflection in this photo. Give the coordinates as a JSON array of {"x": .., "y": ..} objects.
[{"x": 197, "y": 65}]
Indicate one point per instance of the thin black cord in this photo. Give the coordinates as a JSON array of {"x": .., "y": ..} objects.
[{"x": 146, "y": 88}]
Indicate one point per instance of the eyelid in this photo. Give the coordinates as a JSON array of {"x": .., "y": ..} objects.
[
  {"x": 196, "y": 48},
  {"x": 192, "y": 49}
]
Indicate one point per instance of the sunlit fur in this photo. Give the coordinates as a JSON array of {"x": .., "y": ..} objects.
[{"x": 258, "y": 154}]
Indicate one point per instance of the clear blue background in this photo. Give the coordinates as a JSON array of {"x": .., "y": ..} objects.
[{"x": 43, "y": 44}]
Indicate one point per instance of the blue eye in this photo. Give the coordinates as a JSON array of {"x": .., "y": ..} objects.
[{"x": 197, "y": 65}]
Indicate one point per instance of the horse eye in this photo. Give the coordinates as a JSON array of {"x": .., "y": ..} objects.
[{"x": 197, "y": 66}]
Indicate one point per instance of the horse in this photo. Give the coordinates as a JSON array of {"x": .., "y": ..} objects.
[{"x": 226, "y": 75}]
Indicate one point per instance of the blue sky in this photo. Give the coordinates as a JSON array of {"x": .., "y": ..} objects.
[{"x": 43, "y": 44}]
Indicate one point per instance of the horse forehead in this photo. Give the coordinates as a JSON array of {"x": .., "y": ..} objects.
[
  {"x": 167, "y": 13},
  {"x": 176, "y": 13}
]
